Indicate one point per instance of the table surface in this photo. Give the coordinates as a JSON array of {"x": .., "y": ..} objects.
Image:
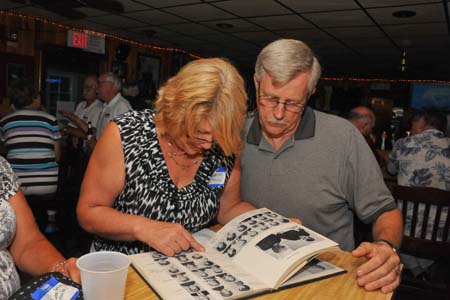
[{"x": 338, "y": 287}]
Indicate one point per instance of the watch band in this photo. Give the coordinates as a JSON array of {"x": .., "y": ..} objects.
[{"x": 387, "y": 243}]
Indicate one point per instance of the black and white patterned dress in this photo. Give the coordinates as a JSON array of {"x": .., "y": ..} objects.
[
  {"x": 149, "y": 191},
  {"x": 9, "y": 279}
]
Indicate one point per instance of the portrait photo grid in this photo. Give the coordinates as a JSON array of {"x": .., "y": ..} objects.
[
  {"x": 247, "y": 230},
  {"x": 193, "y": 272}
]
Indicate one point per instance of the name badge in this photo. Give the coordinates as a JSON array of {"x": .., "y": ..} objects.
[
  {"x": 218, "y": 178},
  {"x": 53, "y": 289}
]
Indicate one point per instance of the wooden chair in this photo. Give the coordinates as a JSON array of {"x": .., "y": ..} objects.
[{"x": 428, "y": 205}]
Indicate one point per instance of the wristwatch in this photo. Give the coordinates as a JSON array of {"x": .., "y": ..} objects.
[{"x": 387, "y": 243}]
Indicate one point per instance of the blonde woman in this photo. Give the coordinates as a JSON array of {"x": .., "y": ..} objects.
[{"x": 156, "y": 176}]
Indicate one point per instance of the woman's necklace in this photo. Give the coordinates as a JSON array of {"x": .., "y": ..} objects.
[{"x": 173, "y": 154}]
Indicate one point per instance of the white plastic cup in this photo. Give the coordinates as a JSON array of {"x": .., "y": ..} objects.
[{"x": 103, "y": 275}]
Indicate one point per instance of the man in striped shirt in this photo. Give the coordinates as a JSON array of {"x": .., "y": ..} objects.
[{"x": 32, "y": 140}]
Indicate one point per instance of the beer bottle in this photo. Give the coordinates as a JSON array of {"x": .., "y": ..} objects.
[{"x": 90, "y": 132}]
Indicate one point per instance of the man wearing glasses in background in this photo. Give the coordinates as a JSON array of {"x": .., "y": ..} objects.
[
  {"x": 316, "y": 167},
  {"x": 108, "y": 90}
]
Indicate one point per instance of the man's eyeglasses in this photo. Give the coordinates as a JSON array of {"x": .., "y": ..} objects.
[{"x": 272, "y": 102}]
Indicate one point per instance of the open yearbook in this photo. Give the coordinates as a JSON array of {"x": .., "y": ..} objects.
[{"x": 257, "y": 252}]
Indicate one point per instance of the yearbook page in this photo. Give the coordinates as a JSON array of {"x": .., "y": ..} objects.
[
  {"x": 254, "y": 254},
  {"x": 263, "y": 240}
]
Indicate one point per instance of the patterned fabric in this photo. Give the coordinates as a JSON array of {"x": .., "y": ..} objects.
[
  {"x": 29, "y": 137},
  {"x": 149, "y": 191},
  {"x": 422, "y": 160},
  {"x": 9, "y": 279}
]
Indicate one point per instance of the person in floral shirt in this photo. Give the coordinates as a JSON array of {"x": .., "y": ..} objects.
[{"x": 423, "y": 160}]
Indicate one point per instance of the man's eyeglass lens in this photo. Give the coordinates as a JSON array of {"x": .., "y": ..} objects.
[{"x": 272, "y": 102}]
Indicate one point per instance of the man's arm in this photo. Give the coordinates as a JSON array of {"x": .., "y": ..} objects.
[
  {"x": 74, "y": 131},
  {"x": 82, "y": 125},
  {"x": 383, "y": 268},
  {"x": 389, "y": 227}
]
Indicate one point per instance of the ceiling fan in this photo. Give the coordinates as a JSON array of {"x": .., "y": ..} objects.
[{"x": 67, "y": 8}]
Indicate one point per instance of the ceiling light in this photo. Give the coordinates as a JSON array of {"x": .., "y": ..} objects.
[
  {"x": 403, "y": 13},
  {"x": 224, "y": 25}
]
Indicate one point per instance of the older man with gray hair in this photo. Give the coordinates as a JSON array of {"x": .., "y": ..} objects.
[
  {"x": 108, "y": 90},
  {"x": 304, "y": 163}
]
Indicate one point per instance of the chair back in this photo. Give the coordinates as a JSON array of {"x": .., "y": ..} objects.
[{"x": 428, "y": 237}]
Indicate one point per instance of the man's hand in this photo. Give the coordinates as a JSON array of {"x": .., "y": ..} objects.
[
  {"x": 67, "y": 114},
  {"x": 382, "y": 270}
]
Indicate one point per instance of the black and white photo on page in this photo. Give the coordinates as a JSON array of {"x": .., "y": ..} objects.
[{"x": 281, "y": 244}]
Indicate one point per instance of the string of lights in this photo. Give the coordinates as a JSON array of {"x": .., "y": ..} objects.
[
  {"x": 384, "y": 80},
  {"x": 156, "y": 47}
]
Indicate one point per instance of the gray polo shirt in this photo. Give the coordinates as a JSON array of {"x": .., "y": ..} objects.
[{"x": 320, "y": 175}]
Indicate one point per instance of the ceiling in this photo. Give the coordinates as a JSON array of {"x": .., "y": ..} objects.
[{"x": 355, "y": 38}]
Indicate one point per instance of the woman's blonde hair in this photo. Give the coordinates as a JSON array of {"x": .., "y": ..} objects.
[{"x": 205, "y": 89}]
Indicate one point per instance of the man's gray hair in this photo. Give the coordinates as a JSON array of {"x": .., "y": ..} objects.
[
  {"x": 284, "y": 59},
  {"x": 115, "y": 80}
]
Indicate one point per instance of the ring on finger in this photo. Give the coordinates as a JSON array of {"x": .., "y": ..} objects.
[{"x": 399, "y": 270}]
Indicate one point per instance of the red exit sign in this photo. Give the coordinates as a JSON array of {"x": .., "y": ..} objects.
[
  {"x": 79, "y": 39},
  {"x": 86, "y": 41}
]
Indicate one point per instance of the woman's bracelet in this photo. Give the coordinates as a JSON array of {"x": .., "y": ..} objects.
[{"x": 58, "y": 265}]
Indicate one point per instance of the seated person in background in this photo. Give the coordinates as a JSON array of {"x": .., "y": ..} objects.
[
  {"x": 21, "y": 243},
  {"x": 364, "y": 119},
  {"x": 32, "y": 141},
  {"x": 156, "y": 176},
  {"x": 315, "y": 166},
  {"x": 422, "y": 159},
  {"x": 87, "y": 111}
]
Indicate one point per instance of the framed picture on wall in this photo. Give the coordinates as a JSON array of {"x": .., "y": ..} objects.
[
  {"x": 119, "y": 68},
  {"x": 14, "y": 72},
  {"x": 148, "y": 74}
]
